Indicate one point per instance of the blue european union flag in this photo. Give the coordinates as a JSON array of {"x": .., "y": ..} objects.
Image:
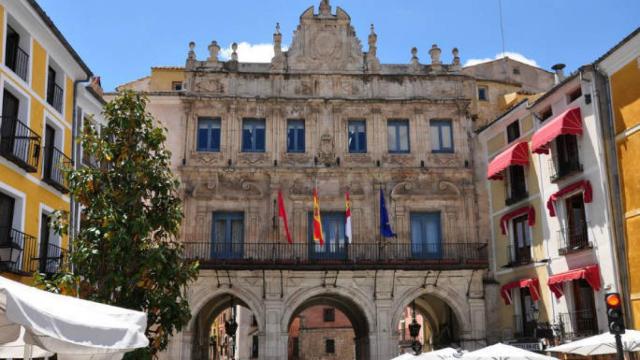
[{"x": 385, "y": 226}]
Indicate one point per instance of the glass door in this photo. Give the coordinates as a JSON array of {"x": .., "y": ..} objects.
[
  {"x": 227, "y": 235},
  {"x": 426, "y": 235}
]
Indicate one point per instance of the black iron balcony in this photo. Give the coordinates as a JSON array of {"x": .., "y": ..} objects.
[
  {"x": 18, "y": 62},
  {"x": 49, "y": 260},
  {"x": 55, "y": 161},
  {"x": 351, "y": 256},
  {"x": 561, "y": 168},
  {"x": 518, "y": 255},
  {"x": 515, "y": 195},
  {"x": 13, "y": 245},
  {"x": 573, "y": 238},
  {"x": 577, "y": 324},
  {"x": 55, "y": 97},
  {"x": 19, "y": 144}
]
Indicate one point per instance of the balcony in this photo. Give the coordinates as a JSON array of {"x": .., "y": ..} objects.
[
  {"x": 559, "y": 169},
  {"x": 18, "y": 62},
  {"x": 344, "y": 256},
  {"x": 518, "y": 255},
  {"x": 524, "y": 329},
  {"x": 54, "y": 164},
  {"x": 13, "y": 245},
  {"x": 19, "y": 144},
  {"x": 577, "y": 324},
  {"x": 515, "y": 195},
  {"x": 573, "y": 239},
  {"x": 55, "y": 97},
  {"x": 49, "y": 261}
]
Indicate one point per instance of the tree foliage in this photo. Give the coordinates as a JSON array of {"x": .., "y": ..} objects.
[{"x": 125, "y": 252}]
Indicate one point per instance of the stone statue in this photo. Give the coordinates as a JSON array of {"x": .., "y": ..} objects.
[
  {"x": 435, "y": 54},
  {"x": 373, "y": 40},
  {"x": 192, "y": 53},
  {"x": 214, "y": 49},
  {"x": 234, "y": 54},
  {"x": 325, "y": 8},
  {"x": 456, "y": 59}
]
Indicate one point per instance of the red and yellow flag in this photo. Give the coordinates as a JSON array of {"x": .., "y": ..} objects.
[{"x": 318, "y": 237}]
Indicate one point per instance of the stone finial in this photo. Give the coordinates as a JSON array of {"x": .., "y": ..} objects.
[
  {"x": 277, "y": 41},
  {"x": 435, "y": 54},
  {"x": 214, "y": 49},
  {"x": 456, "y": 58},
  {"x": 325, "y": 8},
  {"x": 192, "y": 52},
  {"x": 234, "y": 54},
  {"x": 373, "y": 40},
  {"x": 414, "y": 56}
]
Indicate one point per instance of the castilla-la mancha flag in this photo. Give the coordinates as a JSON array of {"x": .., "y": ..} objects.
[
  {"x": 318, "y": 237},
  {"x": 347, "y": 215}
]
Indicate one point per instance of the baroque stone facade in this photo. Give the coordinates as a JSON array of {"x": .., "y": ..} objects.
[{"x": 326, "y": 80}]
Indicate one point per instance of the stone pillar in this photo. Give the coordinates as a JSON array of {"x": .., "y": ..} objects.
[
  {"x": 274, "y": 348},
  {"x": 478, "y": 330},
  {"x": 384, "y": 345}
]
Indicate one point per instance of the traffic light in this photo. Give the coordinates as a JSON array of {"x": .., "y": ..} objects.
[{"x": 614, "y": 313}]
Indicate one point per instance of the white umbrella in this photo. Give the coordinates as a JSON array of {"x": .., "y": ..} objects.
[
  {"x": 15, "y": 349},
  {"x": 601, "y": 344},
  {"x": 502, "y": 351},
  {"x": 71, "y": 327},
  {"x": 405, "y": 356},
  {"x": 441, "y": 354}
]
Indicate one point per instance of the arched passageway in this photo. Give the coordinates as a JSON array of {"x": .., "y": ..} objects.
[{"x": 328, "y": 324}]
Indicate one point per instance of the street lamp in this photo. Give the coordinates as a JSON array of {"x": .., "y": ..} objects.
[
  {"x": 414, "y": 331},
  {"x": 230, "y": 327}
]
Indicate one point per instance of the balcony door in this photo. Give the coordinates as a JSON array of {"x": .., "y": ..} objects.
[
  {"x": 521, "y": 240},
  {"x": 7, "y": 204},
  {"x": 426, "y": 235},
  {"x": 528, "y": 308},
  {"x": 13, "y": 40},
  {"x": 334, "y": 238},
  {"x": 10, "y": 106},
  {"x": 227, "y": 235},
  {"x": 49, "y": 143},
  {"x": 577, "y": 237},
  {"x": 585, "y": 319}
]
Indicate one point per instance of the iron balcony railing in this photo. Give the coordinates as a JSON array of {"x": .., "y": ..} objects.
[
  {"x": 374, "y": 255},
  {"x": 49, "y": 260},
  {"x": 518, "y": 255},
  {"x": 515, "y": 195},
  {"x": 561, "y": 168},
  {"x": 19, "y": 144},
  {"x": 54, "y": 164},
  {"x": 577, "y": 324},
  {"x": 55, "y": 97},
  {"x": 573, "y": 238},
  {"x": 18, "y": 62},
  {"x": 14, "y": 245}
]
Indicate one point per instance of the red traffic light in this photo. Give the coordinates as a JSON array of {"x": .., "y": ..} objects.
[{"x": 613, "y": 300}]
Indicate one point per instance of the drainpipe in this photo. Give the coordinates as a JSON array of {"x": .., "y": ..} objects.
[
  {"x": 602, "y": 98},
  {"x": 73, "y": 220}
]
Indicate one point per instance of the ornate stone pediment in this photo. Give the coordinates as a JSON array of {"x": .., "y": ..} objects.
[
  {"x": 423, "y": 187},
  {"x": 325, "y": 42},
  {"x": 226, "y": 186}
]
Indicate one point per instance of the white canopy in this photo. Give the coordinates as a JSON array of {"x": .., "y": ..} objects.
[
  {"x": 71, "y": 327},
  {"x": 601, "y": 344},
  {"x": 15, "y": 349},
  {"x": 502, "y": 351},
  {"x": 442, "y": 354}
]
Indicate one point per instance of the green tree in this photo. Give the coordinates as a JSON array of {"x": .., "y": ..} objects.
[{"x": 125, "y": 252}]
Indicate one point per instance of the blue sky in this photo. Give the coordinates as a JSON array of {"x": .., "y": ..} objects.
[{"x": 120, "y": 40}]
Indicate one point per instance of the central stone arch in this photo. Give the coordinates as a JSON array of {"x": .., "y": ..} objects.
[{"x": 355, "y": 305}]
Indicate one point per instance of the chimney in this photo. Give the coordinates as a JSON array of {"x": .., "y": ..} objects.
[{"x": 559, "y": 70}]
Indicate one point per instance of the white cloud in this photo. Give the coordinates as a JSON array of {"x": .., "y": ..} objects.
[
  {"x": 252, "y": 53},
  {"x": 512, "y": 55}
]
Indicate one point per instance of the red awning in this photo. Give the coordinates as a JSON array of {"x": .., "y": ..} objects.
[
  {"x": 532, "y": 284},
  {"x": 589, "y": 273},
  {"x": 517, "y": 154},
  {"x": 583, "y": 185},
  {"x": 529, "y": 210},
  {"x": 567, "y": 123}
]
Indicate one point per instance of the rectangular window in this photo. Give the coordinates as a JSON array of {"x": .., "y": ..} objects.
[
  {"x": 329, "y": 346},
  {"x": 7, "y": 204},
  {"x": 516, "y": 184},
  {"x": 208, "y": 134},
  {"x": 575, "y": 94},
  {"x": 513, "y": 131},
  {"x": 426, "y": 235},
  {"x": 16, "y": 58},
  {"x": 398, "y": 136},
  {"x": 576, "y": 234},
  {"x": 357, "y": 136},
  {"x": 521, "y": 244},
  {"x": 545, "y": 114},
  {"x": 329, "y": 315},
  {"x": 227, "y": 235},
  {"x": 483, "y": 93},
  {"x": 441, "y": 136},
  {"x": 253, "y": 135},
  {"x": 295, "y": 136},
  {"x": 176, "y": 85},
  {"x": 584, "y": 318},
  {"x": 566, "y": 158}
]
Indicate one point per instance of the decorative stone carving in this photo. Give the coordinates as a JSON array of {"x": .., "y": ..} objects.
[
  {"x": 214, "y": 49},
  {"x": 325, "y": 8},
  {"x": 252, "y": 158},
  {"x": 192, "y": 53},
  {"x": 412, "y": 187},
  {"x": 226, "y": 186},
  {"x": 293, "y": 159},
  {"x": 301, "y": 188},
  {"x": 277, "y": 41},
  {"x": 326, "y": 152},
  {"x": 456, "y": 60},
  {"x": 373, "y": 63},
  {"x": 234, "y": 52},
  {"x": 207, "y": 158},
  {"x": 435, "y": 54},
  {"x": 208, "y": 84},
  {"x": 444, "y": 160},
  {"x": 415, "y": 62}
]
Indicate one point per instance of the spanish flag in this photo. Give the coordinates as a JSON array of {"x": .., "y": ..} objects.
[{"x": 318, "y": 237}]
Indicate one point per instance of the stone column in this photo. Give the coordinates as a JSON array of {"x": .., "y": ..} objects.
[
  {"x": 275, "y": 348},
  {"x": 384, "y": 344}
]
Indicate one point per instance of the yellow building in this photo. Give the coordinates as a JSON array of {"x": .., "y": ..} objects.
[
  {"x": 39, "y": 78},
  {"x": 620, "y": 68}
]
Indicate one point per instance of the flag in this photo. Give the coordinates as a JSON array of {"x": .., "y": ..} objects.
[
  {"x": 385, "y": 226},
  {"x": 282, "y": 213},
  {"x": 318, "y": 237},
  {"x": 347, "y": 215}
]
